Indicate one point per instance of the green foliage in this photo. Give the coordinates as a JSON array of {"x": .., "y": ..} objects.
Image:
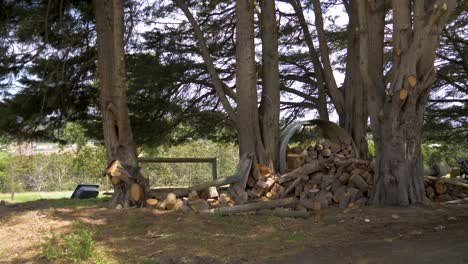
[
  {"x": 371, "y": 147},
  {"x": 76, "y": 246},
  {"x": 73, "y": 133},
  {"x": 167, "y": 174},
  {"x": 52, "y": 172}
]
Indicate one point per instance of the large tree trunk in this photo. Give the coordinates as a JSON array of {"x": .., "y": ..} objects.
[
  {"x": 250, "y": 139},
  {"x": 118, "y": 137},
  {"x": 270, "y": 104},
  {"x": 397, "y": 107},
  {"x": 399, "y": 179},
  {"x": 356, "y": 115}
]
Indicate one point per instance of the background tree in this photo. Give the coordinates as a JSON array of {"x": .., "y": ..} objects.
[{"x": 117, "y": 131}]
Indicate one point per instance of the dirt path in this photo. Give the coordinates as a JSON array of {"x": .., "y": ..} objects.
[{"x": 390, "y": 235}]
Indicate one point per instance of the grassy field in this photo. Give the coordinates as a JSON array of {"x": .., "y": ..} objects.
[{"x": 34, "y": 196}]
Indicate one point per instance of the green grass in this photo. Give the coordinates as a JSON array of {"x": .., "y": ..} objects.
[{"x": 34, "y": 196}]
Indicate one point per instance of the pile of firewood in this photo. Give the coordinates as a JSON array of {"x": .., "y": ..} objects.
[
  {"x": 316, "y": 178},
  {"x": 441, "y": 189},
  {"x": 319, "y": 176}
]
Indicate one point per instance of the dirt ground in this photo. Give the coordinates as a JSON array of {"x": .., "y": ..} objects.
[{"x": 437, "y": 234}]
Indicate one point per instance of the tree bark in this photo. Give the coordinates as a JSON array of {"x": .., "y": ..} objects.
[
  {"x": 270, "y": 101},
  {"x": 117, "y": 131},
  {"x": 355, "y": 97},
  {"x": 397, "y": 120}
]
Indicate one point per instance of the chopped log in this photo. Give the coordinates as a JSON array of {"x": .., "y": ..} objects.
[
  {"x": 198, "y": 205},
  {"x": 170, "y": 201},
  {"x": 294, "y": 161},
  {"x": 326, "y": 153},
  {"x": 359, "y": 183},
  {"x": 430, "y": 192},
  {"x": 270, "y": 182},
  {"x": 152, "y": 201},
  {"x": 412, "y": 81},
  {"x": 455, "y": 182},
  {"x": 298, "y": 189},
  {"x": 116, "y": 170},
  {"x": 290, "y": 187},
  {"x": 345, "y": 200},
  {"x": 276, "y": 190},
  {"x": 318, "y": 147},
  {"x": 440, "y": 187},
  {"x": 225, "y": 199},
  {"x": 135, "y": 192},
  {"x": 344, "y": 178},
  {"x": 353, "y": 192},
  {"x": 242, "y": 172},
  {"x": 339, "y": 194},
  {"x": 193, "y": 195},
  {"x": 403, "y": 94},
  {"x": 306, "y": 169},
  {"x": 115, "y": 180},
  {"x": 322, "y": 198},
  {"x": 251, "y": 207},
  {"x": 335, "y": 185},
  {"x": 335, "y": 148},
  {"x": 283, "y": 212},
  {"x": 263, "y": 170},
  {"x": 260, "y": 187},
  {"x": 212, "y": 192},
  {"x": 326, "y": 182}
]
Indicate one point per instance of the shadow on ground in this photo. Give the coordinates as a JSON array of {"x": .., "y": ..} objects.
[{"x": 389, "y": 235}]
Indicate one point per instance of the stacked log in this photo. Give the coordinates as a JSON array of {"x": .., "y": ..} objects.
[
  {"x": 319, "y": 176},
  {"x": 327, "y": 174},
  {"x": 445, "y": 189}
]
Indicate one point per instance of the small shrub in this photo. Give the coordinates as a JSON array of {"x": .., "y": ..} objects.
[
  {"x": 51, "y": 248},
  {"x": 76, "y": 246}
]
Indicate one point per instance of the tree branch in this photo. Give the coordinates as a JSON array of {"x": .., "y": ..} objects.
[{"x": 219, "y": 85}]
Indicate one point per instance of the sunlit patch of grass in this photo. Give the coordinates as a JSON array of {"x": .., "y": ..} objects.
[{"x": 296, "y": 236}]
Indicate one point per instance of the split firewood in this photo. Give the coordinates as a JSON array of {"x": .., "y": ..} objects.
[
  {"x": 339, "y": 193},
  {"x": 455, "y": 182},
  {"x": 212, "y": 192},
  {"x": 260, "y": 187},
  {"x": 225, "y": 199},
  {"x": 117, "y": 172},
  {"x": 359, "y": 182},
  {"x": 345, "y": 200},
  {"x": 152, "y": 201},
  {"x": 440, "y": 187},
  {"x": 430, "y": 192},
  {"x": 135, "y": 192},
  {"x": 344, "y": 178},
  {"x": 290, "y": 187},
  {"x": 193, "y": 195},
  {"x": 199, "y": 205},
  {"x": 251, "y": 207},
  {"x": 306, "y": 169},
  {"x": 170, "y": 201},
  {"x": 326, "y": 153}
]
